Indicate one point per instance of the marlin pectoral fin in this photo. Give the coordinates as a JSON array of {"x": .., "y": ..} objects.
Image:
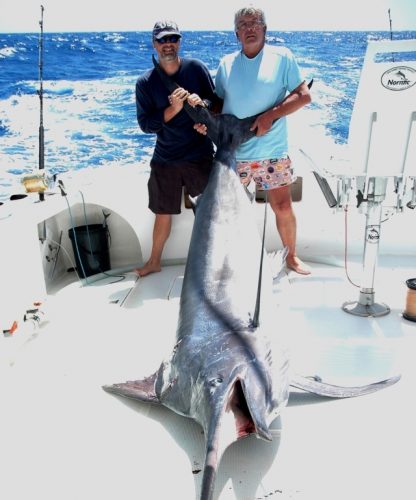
[
  {"x": 335, "y": 391},
  {"x": 143, "y": 390}
]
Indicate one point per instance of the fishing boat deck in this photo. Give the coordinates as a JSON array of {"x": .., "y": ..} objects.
[{"x": 63, "y": 437}]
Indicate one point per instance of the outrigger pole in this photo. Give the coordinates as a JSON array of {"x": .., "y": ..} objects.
[{"x": 40, "y": 93}]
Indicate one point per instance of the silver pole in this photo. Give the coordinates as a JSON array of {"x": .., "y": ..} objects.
[{"x": 366, "y": 306}]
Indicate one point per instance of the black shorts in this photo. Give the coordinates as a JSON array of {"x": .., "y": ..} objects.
[{"x": 167, "y": 180}]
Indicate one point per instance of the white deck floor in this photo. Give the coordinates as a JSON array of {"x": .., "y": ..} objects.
[{"x": 62, "y": 437}]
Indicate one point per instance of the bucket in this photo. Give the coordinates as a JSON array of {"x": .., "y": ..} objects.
[
  {"x": 93, "y": 255},
  {"x": 410, "y": 311}
]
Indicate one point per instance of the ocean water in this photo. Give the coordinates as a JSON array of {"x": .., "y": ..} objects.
[{"x": 89, "y": 82}]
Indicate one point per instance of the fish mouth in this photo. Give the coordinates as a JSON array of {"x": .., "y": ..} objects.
[
  {"x": 237, "y": 406},
  {"x": 247, "y": 419},
  {"x": 242, "y": 414}
]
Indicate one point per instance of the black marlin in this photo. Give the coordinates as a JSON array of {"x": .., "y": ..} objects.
[{"x": 223, "y": 372}]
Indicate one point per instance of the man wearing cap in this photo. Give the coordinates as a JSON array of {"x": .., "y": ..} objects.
[{"x": 182, "y": 157}]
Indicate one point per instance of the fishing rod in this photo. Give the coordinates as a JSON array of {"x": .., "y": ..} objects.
[
  {"x": 40, "y": 93},
  {"x": 37, "y": 182}
]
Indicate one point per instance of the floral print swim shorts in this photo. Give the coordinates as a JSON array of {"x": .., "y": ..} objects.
[{"x": 267, "y": 174}]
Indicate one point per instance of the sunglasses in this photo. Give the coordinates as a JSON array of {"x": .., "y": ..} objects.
[
  {"x": 245, "y": 25},
  {"x": 168, "y": 39}
]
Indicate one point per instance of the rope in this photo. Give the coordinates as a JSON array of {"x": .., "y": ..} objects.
[{"x": 255, "y": 322}]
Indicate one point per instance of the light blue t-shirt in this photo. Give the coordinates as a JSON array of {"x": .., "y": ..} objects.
[{"x": 252, "y": 86}]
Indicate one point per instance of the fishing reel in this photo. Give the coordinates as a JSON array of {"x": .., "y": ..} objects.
[{"x": 35, "y": 183}]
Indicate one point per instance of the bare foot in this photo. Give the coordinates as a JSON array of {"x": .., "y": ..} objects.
[
  {"x": 295, "y": 264},
  {"x": 148, "y": 268}
]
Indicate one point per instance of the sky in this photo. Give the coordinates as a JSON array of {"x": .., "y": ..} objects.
[{"x": 138, "y": 15}]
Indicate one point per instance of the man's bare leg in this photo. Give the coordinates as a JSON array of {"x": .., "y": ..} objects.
[
  {"x": 281, "y": 202},
  {"x": 161, "y": 232}
]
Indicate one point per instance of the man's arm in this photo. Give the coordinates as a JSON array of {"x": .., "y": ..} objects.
[
  {"x": 295, "y": 100},
  {"x": 149, "y": 119}
]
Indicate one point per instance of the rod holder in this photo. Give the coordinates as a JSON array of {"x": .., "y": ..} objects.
[{"x": 366, "y": 305}]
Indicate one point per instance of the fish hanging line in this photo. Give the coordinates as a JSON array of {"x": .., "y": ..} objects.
[{"x": 255, "y": 321}]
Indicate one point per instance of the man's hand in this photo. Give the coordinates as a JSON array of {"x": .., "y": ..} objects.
[
  {"x": 195, "y": 100},
  {"x": 201, "y": 128},
  {"x": 177, "y": 98},
  {"x": 263, "y": 123}
]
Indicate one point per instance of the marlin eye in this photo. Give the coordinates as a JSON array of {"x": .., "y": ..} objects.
[{"x": 215, "y": 381}]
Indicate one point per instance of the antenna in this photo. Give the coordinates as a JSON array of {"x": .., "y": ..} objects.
[
  {"x": 391, "y": 34},
  {"x": 391, "y": 30},
  {"x": 40, "y": 93}
]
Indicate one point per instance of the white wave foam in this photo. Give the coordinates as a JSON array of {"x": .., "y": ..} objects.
[{"x": 7, "y": 52}]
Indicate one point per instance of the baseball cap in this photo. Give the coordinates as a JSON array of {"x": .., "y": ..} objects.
[{"x": 164, "y": 28}]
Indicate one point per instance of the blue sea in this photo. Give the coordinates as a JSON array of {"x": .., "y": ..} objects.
[{"x": 89, "y": 81}]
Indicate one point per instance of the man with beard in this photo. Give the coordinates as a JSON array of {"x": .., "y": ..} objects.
[{"x": 181, "y": 157}]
